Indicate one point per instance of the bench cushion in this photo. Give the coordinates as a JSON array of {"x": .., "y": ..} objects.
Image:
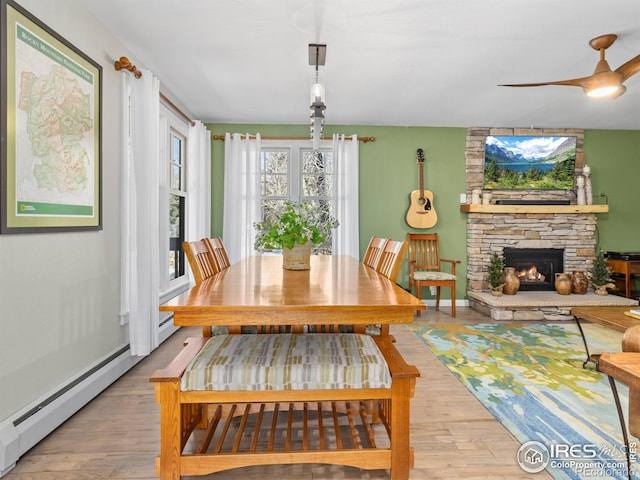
[{"x": 287, "y": 362}]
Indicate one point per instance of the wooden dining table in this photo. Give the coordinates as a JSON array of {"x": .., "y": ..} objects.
[{"x": 257, "y": 290}]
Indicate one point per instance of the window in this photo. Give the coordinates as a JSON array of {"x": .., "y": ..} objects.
[
  {"x": 173, "y": 212},
  {"x": 177, "y": 198},
  {"x": 296, "y": 173}
]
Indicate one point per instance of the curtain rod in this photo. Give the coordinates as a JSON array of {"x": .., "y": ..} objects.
[
  {"x": 124, "y": 64},
  {"x": 361, "y": 139},
  {"x": 173, "y": 106}
]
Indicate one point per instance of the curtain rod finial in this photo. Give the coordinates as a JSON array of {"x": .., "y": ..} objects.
[{"x": 124, "y": 63}]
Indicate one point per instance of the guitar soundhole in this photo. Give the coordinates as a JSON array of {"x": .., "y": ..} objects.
[{"x": 427, "y": 205}]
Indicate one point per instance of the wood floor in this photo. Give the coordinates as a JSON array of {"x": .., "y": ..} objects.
[{"x": 116, "y": 435}]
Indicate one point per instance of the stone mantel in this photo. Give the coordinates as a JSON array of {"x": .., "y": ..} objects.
[{"x": 553, "y": 209}]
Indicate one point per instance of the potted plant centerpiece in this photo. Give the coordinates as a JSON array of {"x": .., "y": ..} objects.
[
  {"x": 600, "y": 274},
  {"x": 496, "y": 274},
  {"x": 294, "y": 228}
]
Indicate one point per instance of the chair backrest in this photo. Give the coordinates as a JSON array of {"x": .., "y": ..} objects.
[
  {"x": 219, "y": 251},
  {"x": 202, "y": 262},
  {"x": 391, "y": 259},
  {"x": 374, "y": 251},
  {"x": 424, "y": 249}
]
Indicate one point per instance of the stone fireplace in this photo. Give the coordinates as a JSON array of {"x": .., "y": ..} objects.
[
  {"x": 492, "y": 228},
  {"x": 526, "y": 222}
]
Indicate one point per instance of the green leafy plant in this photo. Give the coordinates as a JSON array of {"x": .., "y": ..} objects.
[
  {"x": 496, "y": 271},
  {"x": 600, "y": 273},
  {"x": 294, "y": 223}
]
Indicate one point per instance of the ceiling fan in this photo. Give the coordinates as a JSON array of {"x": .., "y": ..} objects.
[{"x": 603, "y": 82}]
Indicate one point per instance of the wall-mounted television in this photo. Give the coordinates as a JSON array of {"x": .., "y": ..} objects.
[{"x": 529, "y": 163}]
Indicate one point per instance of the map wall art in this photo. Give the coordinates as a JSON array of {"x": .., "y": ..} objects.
[{"x": 51, "y": 126}]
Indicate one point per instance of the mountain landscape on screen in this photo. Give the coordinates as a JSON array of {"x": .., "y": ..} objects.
[{"x": 529, "y": 163}]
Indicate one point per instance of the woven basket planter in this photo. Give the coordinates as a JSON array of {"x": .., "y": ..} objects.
[{"x": 297, "y": 258}]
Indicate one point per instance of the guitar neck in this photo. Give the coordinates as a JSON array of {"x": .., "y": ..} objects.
[{"x": 421, "y": 180}]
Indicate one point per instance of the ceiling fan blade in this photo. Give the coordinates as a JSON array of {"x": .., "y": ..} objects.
[
  {"x": 603, "y": 82},
  {"x": 629, "y": 68},
  {"x": 577, "y": 82}
]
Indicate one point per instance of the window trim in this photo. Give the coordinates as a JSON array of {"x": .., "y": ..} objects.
[
  {"x": 296, "y": 149},
  {"x": 169, "y": 122}
]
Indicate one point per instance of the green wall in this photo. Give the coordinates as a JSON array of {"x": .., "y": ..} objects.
[
  {"x": 389, "y": 172},
  {"x": 614, "y": 158}
]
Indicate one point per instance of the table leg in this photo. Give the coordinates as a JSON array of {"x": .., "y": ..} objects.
[
  {"x": 586, "y": 347},
  {"x": 623, "y": 425}
]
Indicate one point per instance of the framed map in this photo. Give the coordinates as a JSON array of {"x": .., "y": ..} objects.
[{"x": 50, "y": 176}]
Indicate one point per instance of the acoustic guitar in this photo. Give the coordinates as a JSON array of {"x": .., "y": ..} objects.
[{"x": 421, "y": 212}]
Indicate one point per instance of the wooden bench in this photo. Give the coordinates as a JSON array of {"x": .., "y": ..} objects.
[{"x": 207, "y": 431}]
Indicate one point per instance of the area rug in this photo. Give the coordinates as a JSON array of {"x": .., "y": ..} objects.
[{"x": 530, "y": 377}]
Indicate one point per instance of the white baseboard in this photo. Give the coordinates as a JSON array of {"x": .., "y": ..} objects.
[
  {"x": 16, "y": 438},
  {"x": 446, "y": 303}
]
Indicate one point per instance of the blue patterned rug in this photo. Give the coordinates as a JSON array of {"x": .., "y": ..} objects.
[{"x": 530, "y": 377}]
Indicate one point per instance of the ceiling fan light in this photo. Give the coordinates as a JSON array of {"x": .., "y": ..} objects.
[
  {"x": 603, "y": 84},
  {"x": 603, "y": 91}
]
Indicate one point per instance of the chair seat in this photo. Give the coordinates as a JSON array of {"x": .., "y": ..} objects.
[
  {"x": 287, "y": 362},
  {"x": 440, "y": 276}
]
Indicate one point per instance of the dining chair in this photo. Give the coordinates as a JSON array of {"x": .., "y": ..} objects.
[
  {"x": 425, "y": 267},
  {"x": 218, "y": 250},
  {"x": 203, "y": 263},
  {"x": 391, "y": 259},
  {"x": 389, "y": 265},
  {"x": 374, "y": 251}
]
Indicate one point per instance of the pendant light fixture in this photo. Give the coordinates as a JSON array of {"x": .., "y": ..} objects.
[{"x": 317, "y": 57}]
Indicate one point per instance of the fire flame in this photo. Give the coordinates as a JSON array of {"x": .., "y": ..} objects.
[{"x": 530, "y": 275}]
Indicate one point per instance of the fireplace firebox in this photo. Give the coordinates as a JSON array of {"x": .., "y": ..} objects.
[{"x": 536, "y": 267}]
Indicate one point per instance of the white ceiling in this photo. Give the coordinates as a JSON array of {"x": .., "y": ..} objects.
[{"x": 389, "y": 62}]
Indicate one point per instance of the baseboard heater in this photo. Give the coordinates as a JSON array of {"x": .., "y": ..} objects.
[
  {"x": 19, "y": 435},
  {"x": 504, "y": 201},
  {"x": 30, "y": 426},
  {"x": 68, "y": 387}
]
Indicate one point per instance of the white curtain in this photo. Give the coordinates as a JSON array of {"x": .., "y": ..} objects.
[
  {"x": 199, "y": 182},
  {"x": 241, "y": 194},
  {"x": 140, "y": 211},
  {"x": 346, "y": 240}
]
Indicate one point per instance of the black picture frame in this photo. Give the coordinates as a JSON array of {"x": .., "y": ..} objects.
[{"x": 51, "y": 128}]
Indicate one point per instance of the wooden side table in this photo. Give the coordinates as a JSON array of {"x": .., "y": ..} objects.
[
  {"x": 626, "y": 268},
  {"x": 624, "y": 367}
]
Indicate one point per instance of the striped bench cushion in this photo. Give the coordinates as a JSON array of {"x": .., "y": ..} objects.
[{"x": 287, "y": 362}]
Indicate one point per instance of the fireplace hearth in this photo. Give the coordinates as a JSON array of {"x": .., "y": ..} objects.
[{"x": 535, "y": 267}]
